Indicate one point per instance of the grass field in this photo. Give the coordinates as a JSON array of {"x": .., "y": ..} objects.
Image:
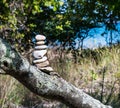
[{"x": 97, "y": 72}]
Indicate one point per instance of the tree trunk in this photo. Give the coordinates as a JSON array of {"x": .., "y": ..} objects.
[{"x": 48, "y": 86}]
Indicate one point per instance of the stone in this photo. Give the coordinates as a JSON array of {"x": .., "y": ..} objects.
[
  {"x": 41, "y": 47},
  {"x": 48, "y": 68},
  {"x": 40, "y": 43},
  {"x": 43, "y": 64},
  {"x": 39, "y": 53},
  {"x": 40, "y": 60},
  {"x": 40, "y": 37}
]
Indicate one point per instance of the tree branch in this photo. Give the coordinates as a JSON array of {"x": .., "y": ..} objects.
[{"x": 48, "y": 86}]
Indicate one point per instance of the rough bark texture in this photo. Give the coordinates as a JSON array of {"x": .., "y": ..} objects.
[{"x": 49, "y": 86}]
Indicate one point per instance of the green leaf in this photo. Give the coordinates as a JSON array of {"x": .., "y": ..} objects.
[
  {"x": 55, "y": 8},
  {"x": 48, "y": 3},
  {"x": 59, "y": 27},
  {"x": 61, "y": 3}
]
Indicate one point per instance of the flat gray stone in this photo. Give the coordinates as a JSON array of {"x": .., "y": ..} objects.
[
  {"x": 40, "y": 37},
  {"x": 40, "y": 47},
  {"x": 39, "y": 53},
  {"x": 40, "y": 60}
]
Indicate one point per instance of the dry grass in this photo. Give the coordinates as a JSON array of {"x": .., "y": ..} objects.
[
  {"x": 6, "y": 87},
  {"x": 97, "y": 72}
]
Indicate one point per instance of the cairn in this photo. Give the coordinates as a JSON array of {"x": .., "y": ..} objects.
[{"x": 40, "y": 55}]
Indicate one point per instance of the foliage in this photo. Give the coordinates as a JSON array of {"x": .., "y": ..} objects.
[{"x": 60, "y": 20}]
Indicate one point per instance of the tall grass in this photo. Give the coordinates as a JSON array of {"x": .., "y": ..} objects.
[
  {"x": 97, "y": 72},
  {"x": 6, "y": 87}
]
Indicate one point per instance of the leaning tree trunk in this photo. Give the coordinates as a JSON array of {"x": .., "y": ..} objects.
[{"x": 48, "y": 86}]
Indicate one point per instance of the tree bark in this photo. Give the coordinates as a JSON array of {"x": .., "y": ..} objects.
[{"x": 42, "y": 84}]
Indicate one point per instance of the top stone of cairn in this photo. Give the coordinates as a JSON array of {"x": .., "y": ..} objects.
[{"x": 40, "y": 37}]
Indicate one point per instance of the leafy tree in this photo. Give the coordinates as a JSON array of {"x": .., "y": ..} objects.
[{"x": 62, "y": 21}]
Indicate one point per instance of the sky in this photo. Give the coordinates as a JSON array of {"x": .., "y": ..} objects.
[
  {"x": 95, "y": 42},
  {"x": 98, "y": 40}
]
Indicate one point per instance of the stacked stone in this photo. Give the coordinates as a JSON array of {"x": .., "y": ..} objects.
[{"x": 39, "y": 54}]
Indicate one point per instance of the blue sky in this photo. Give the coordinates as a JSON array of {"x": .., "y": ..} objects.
[
  {"x": 98, "y": 39},
  {"x": 95, "y": 42}
]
